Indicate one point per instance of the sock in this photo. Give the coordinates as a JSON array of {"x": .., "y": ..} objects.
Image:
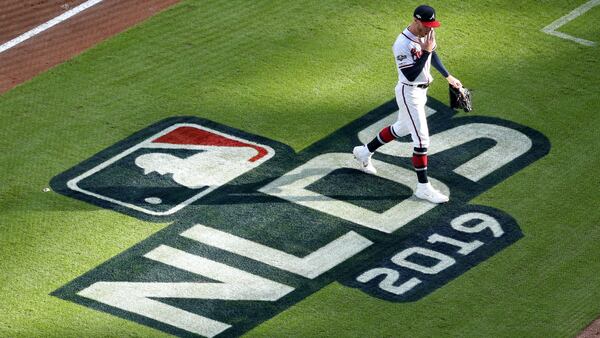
[
  {"x": 419, "y": 161},
  {"x": 386, "y": 135}
]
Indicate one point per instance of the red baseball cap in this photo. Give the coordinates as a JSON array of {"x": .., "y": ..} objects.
[{"x": 426, "y": 15}]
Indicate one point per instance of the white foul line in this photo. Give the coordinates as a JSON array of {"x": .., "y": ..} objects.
[
  {"x": 551, "y": 28},
  {"x": 37, "y": 30}
]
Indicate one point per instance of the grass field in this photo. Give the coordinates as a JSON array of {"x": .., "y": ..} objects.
[
  {"x": 582, "y": 28},
  {"x": 294, "y": 72}
]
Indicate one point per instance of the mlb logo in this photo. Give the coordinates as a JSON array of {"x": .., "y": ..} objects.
[{"x": 161, "y": 174}]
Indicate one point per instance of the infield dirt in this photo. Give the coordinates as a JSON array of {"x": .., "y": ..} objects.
[{"x": 65, "y": 40}]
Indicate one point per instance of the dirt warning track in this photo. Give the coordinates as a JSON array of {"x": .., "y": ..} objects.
[{"x": 65, "y": 39}]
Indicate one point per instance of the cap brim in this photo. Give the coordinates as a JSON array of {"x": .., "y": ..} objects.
[{"x": 431, "y": 24}]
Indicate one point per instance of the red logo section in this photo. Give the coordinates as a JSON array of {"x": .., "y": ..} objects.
[{"x": 195, "y": 136}]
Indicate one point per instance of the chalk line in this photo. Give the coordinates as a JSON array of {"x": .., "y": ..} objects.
[
  {"x": 551, "y": 28},
  {"x": 37, "y": 30}
]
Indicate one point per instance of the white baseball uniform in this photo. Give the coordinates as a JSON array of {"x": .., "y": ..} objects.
[
  {"x": 414, "y": 77},
  {"x": 411, "y": 96}
]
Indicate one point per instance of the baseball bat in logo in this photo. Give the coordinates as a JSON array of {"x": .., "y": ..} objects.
[{"x": 169, "y": 170}]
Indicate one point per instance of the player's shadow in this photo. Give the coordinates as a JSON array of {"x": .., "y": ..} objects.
[{"x": 345, "y": 184}]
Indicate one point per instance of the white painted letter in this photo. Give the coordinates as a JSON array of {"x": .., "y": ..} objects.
[
  {"x": 444, "y": 261},
  {"x": 510, "y": 144},
  {"x": 292, "y": 187},
  {"x": 465, "y": 248},
  {"x": 311, "y": 266},
  {"x": 387, "y": 284},
  {"x": 137, "y": 297},
  {"x": 485, "y": 222}
]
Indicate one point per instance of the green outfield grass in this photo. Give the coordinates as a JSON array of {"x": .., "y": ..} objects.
[{"x": 296, "y": 71}]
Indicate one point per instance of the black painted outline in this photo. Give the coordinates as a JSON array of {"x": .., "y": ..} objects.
[{"x": 284, "y": 160}]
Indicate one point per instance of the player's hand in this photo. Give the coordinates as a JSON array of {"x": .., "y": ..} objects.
[
  {"x": 429, "y": 43},
  {"x": 454, "y": 82}
]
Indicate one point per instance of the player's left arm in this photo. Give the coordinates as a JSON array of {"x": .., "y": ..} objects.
[{"x": 437, "y": 64}]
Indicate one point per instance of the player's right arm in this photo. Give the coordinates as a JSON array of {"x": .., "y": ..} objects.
[{"x": 412, "y": 72}]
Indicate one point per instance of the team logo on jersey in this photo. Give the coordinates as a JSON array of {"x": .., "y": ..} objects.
[
  {"x": 255, "y": 227},
  {"x": 416, "y": 54}
]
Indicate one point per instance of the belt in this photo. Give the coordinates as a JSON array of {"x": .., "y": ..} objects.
[{"x": 422, "y": 85}]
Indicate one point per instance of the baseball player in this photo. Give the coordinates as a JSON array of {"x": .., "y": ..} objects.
[{"x": 414, "y": 51}]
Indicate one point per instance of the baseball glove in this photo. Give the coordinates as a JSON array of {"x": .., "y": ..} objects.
[{"x": 461, "y": 99}]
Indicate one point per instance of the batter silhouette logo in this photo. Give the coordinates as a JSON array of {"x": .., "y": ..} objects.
[
  {"x": 255, "y": 227},
  {"x": 170, "y": 170}
]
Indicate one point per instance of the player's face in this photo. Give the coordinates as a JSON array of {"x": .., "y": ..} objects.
[{"x": 421, "y": 29}]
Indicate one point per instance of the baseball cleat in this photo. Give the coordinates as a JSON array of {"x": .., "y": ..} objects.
[
  {"x": 363, "y": 155},
  {"x": 427, "y": 192}
]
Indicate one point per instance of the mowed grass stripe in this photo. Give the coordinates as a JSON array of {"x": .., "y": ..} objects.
[
  {"x": 295, "y": 71},
  {"x": 71, "y": 114}
]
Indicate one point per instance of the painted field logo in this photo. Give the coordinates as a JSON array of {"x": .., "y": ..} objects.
[
  {"x": 257, "y": 228},
  {"x": 170, "y": 170}
]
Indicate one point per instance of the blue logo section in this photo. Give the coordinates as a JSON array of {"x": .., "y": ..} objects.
[
  {"x": 410, "y": 269},
  {"x": 257, "y": 228},
  {"x": 125, "y": 182},
  {"x": 164, "y": 168}
]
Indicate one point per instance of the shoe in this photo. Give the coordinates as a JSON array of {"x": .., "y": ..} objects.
[
  {"x": 363, "y": 155},
  {"x": 427, "y": 192}
]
